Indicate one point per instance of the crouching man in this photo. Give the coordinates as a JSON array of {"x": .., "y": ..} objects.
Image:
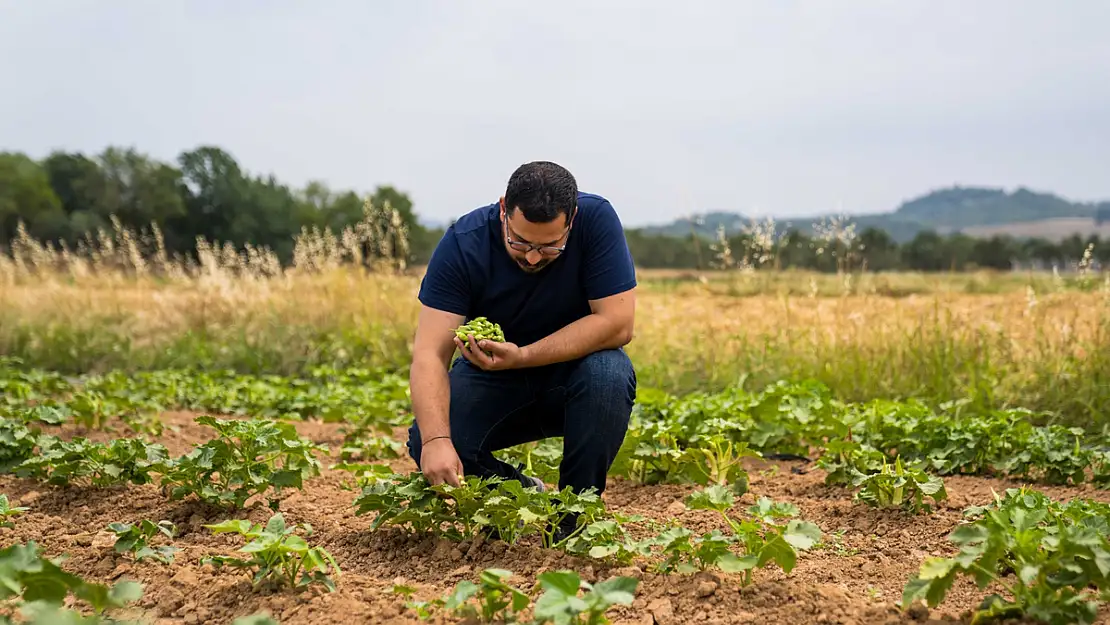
[{"x": 551, "y": 265}]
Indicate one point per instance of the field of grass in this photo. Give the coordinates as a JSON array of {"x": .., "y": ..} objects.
[{"x": 806, "y": 448}]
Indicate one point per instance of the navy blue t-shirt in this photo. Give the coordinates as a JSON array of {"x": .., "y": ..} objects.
[{"x": 471, "y": 274}]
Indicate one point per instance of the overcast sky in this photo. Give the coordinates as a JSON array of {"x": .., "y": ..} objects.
[{"x": 779, "y": 107}]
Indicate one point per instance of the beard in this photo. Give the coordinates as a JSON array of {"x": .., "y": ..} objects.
[{"x": 524, "y": 266}]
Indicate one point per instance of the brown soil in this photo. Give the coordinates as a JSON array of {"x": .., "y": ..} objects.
[{"x": 857, "y": 577}]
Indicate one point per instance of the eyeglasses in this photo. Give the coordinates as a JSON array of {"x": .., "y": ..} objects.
[{"x": 544, "y": 250}]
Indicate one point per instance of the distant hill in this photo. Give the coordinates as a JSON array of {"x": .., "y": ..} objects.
[{"x": 967, "y": 209}]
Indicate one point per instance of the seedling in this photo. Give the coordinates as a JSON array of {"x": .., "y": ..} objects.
[
  {"x": 763, "y": 539},
  {"x": 561, "y": 604},
  {"x": 718, "y": 462},
  {"x": 43, "y": 587},
  {"x": 1051, "y": 560},
  {"x": 248, "y": 458},
  {"x": 81, "y": 461},
  {"x": 7, "y": 512},
  {"x": 17, "y": 444},
  {"x": 491, "y": 600},
  {"x": 895, "y": 485},
  {"x": 277, "y": 555},
  {"x": 843, "y": 459},
  {"x": 135, "y": 539}
]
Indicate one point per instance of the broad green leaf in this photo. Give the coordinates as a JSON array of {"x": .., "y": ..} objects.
[
  {"x": 779, "y": 551},
  {"x": 566, "y": 582},
  {"x": 935, "y": 568},
  {"x": 730, "y": 563},
  {"x": 463, "y": 591},
  {"x": 617, "y": 590},
  {"x": 125, "y": 592},
  {"x": 238, "y": 526},
  {"x": 715, "y": 497},
  {"x": 802, "y": 535},
  {"x": 527, "y": 515}
]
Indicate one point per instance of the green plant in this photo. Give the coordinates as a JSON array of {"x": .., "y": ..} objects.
[
  {"x": 135, "y": 539},
  {"x": 81, "y": 461},
  {"x": 763, "y": 539},
  {"x": 717, "y": 460},
  {"x": 491, "y": 505},
  {"x": 277, "y": 554},
  {"x": 843, "y": 459},
  {"x": 606, "y": 539},
  {"x": 539, "y": 458},
  {"x": 651, "y": 454},
  {"x": 408, "y": 500},
  {"x": 561, "y": 604},
  {"x": 248, "y": 458},
  {"x": 47, "y": 412},
  {"x": 361, "y": 448},
  {"x": 685, "y": 552},
  {"x": 895, "y": 485},
  {"x": 39, "y": 587},
  {"x": 1051, "y": 559},
  {"x": 17, "y": 443},
  {"x": 7, "y": 512},
  {"x": 491, "y": 600}
]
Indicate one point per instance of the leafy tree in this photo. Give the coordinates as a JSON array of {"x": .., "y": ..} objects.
[
  {"x": 997, "y": 252},
  {"x": 26, "y": 195},
  {"x": 879, "y": 250},
  {"x": 77, "y": 181},
  {"x": 213, "y": 189},
  {"x": 925, "y": 252},
  {"x": 138, "y": 190}
]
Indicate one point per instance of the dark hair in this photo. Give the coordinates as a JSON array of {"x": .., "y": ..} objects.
[{"x": 542, "y": 191}]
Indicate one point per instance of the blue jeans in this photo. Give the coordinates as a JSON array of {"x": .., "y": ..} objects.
[{"x": 587, "y": 402}]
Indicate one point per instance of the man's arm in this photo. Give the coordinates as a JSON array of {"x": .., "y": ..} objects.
[
  {"x": 609, "y": 326},
  {"x": 430, "y": 388}
]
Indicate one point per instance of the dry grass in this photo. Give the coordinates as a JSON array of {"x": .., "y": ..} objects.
[{"x": 1041, "y": 343}]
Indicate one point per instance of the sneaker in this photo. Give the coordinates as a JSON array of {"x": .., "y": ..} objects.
[{"x": 540, "y": 486}]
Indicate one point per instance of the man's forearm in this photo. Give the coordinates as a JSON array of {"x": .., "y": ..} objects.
[
  {"x": 589, "y": 334},
  {"x": 430, "y": 388}
]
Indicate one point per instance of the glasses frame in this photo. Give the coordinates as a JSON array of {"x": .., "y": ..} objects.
[{"x": 556, "y": 250}]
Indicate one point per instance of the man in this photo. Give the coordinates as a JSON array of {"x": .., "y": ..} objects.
[{"x": 552, "y": 267}]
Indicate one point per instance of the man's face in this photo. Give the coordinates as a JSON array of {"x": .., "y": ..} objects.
[{"x": 526, "y": 235}]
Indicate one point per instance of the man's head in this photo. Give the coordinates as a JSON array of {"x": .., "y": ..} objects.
[{"x": 537, "y": 213}]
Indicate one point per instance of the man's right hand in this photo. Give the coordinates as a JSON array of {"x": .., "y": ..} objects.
[{"x": 440, "y": 462}]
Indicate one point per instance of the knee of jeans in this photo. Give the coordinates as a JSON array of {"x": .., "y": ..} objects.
[{"x": 610, "y": 369}]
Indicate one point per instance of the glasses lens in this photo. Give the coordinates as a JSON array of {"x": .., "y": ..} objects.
[
  {"x": 520, "y": 247},
  {"x": 550, "y": 251}
]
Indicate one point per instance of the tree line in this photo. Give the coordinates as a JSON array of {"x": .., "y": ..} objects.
[
  {"x": 205, "y": 193},
  {"x": 872, "y": 250}
]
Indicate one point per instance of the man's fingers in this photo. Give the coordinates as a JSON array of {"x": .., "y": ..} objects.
[
  {"x": 479, "y": 354},
  {"x": 466, "y": 353}
]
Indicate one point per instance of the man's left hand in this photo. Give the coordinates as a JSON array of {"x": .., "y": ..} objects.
[{"x": 501, "y": 355}]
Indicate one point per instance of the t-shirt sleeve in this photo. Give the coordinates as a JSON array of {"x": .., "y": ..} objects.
[
  {"x": 608, "y": 268},
  {"x": 445, "y": 285}
]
